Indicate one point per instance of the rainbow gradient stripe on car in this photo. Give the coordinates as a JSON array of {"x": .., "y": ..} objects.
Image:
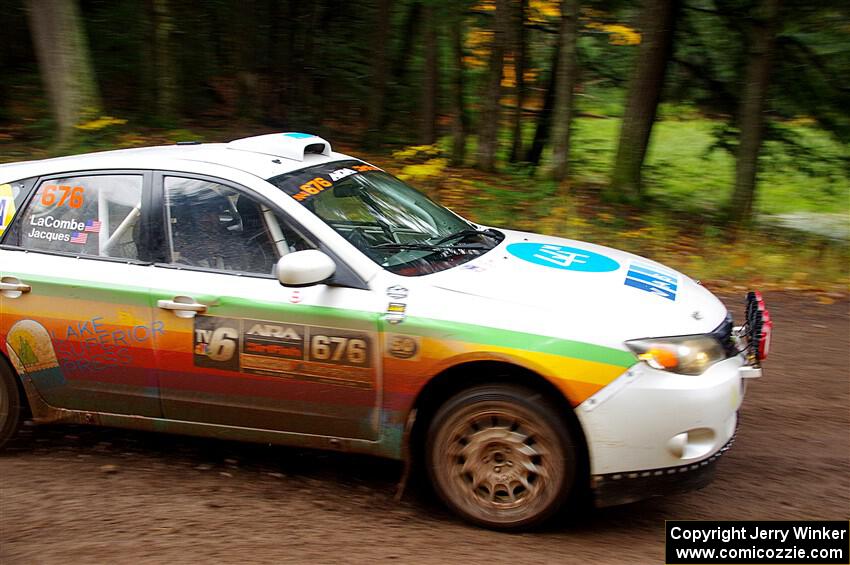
[{"x": 82, "y": 340}]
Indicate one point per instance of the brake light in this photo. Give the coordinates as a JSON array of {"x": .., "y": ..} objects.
[{"x": 766, "y": 334}]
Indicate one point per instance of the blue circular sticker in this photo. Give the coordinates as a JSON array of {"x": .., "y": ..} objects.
[{"x": 562, "y": 257}]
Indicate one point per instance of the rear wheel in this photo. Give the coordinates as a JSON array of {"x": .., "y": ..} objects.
[
  {"x": 11, "y": 408},
  {"x": 500, "y": 456}
]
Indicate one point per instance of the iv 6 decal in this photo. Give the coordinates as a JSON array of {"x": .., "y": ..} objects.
[
  {"x": 216, "y": 343},
  {"x": 562, "y": 257}
]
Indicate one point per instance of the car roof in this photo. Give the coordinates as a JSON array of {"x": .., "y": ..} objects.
[{"x": 264, "y": 156}]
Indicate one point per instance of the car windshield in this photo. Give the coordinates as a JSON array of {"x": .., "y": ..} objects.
[{"x": 393, "y": 224}]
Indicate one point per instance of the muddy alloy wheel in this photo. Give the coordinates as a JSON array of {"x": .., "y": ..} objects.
[
  {"x": 10, "y": 405},
  {"x": 500, "y": 456}
]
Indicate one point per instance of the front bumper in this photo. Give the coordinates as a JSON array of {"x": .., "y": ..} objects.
[
  {"x": 653, "y": 432},
  {"x": 622, "y": 488}
]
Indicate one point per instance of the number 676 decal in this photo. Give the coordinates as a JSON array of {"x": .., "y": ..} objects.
[
  {"x": 62, "y": 195},
  {"x": 354, "y": 351}
]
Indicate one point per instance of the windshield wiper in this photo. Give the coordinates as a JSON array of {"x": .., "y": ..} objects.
[
  {"x": 427, "y": 246},
  {"x": 440, "y": 244},
  {"x": 466, "y": 233}
]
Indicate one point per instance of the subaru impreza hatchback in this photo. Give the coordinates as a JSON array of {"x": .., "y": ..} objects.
[{"x": 272, "y": 290}]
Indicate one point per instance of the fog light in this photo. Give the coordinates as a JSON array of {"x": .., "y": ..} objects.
[{"x": 692, "y": 444}]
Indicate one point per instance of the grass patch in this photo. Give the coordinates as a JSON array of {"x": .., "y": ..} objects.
[
  {"x": 682, "y": 173},
  {"x": 769, "y": 258}
]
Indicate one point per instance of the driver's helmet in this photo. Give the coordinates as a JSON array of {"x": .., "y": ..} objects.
[{"x": 202, "y": 229}]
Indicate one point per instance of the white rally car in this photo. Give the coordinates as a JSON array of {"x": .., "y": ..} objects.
[{"x": 272, "y": 290}]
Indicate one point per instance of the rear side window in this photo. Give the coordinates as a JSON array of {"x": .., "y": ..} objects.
[
  {"x": 12, "y": 195},
  {"x": 97, "y": 215}
]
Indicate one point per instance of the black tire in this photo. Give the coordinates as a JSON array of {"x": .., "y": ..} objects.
[
  {"x": 501, "y": 457},
  {"x": 11, "y": 407}
]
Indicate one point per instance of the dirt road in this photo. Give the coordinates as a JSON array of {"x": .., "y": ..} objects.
[{"x": 105, "y": 496}]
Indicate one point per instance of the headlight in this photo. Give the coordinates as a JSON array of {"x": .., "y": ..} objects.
[{"x": 686, "y": 355}]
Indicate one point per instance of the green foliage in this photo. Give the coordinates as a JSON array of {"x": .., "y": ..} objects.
[
  {"x": 597, "y": 100},
  {"x": 420, "y": 163},
  {"x": 686, "y": 172}
]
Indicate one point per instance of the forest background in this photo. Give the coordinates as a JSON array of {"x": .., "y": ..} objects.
[{"x": 712, "y": 135}]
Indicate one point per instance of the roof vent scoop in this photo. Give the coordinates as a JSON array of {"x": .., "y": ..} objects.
[{"x": 290, "y": 145}]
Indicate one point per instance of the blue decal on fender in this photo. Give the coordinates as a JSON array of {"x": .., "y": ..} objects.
[
  {"x": 562, "y": 257},
  {"x": 652, "y": 280},
  {"x": 297, "y": 135}
]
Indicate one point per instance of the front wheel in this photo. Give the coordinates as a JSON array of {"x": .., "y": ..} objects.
[{"x": 500, "y": 456}]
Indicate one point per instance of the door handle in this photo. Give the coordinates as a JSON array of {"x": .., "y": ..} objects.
[
  {"x": 12, "y": 287},
  {"x": 182, "y": 306}
]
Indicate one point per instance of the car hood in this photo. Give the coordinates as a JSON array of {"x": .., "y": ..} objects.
[{"x": 595, "y": 290}]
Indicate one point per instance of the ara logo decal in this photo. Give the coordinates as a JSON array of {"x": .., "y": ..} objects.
[
  {"x": 562, "y": 257},
  {"x": 653, "y": 280},
  {"x": 271, "y": 330}
]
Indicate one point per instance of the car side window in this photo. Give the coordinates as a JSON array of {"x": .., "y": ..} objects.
[
  {"x": 214, "y": 226},
  {"x": 96, "y": 215}
]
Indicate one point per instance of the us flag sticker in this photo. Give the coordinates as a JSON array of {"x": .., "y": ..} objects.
[
  {"x": 79, "y": 237},
  {"x": 92, "y": 226}
]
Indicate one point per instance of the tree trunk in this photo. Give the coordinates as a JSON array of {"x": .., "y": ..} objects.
[
  {"x": 277, "y": 57},
  {"x": 544, "y": 119},
  {"x": 490, "y": 115},
  {"x": 431, "y": 85},
  {"x": 460, "y": 121},
  {"x": 519, "y": 72},
  {"x": 409, "y": 31},
  {"x": 750, "y": 114},
  {"x": 63, "y": 55},
  {"x": 147, "y": 95},
  {"x": 380, "y": 68},
  {"x": 658, "y": 20},
  {"x": 564, "y": 87},
  {"x": 288, "y": 51},
  {"x": 305, "y": 110},
  {"x": 165, "y": 75}
]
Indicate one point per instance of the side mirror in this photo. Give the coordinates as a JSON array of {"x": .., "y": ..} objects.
[{"x": 304, "y": 268}]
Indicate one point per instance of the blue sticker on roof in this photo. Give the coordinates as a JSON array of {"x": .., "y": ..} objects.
[
  {"x": 653, "y": 280},
  {"x": 562, "y": 257},
  {"x": 297, "y": 135}
]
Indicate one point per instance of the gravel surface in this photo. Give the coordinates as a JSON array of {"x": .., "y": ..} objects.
[{"x": 77, "y": 494}]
